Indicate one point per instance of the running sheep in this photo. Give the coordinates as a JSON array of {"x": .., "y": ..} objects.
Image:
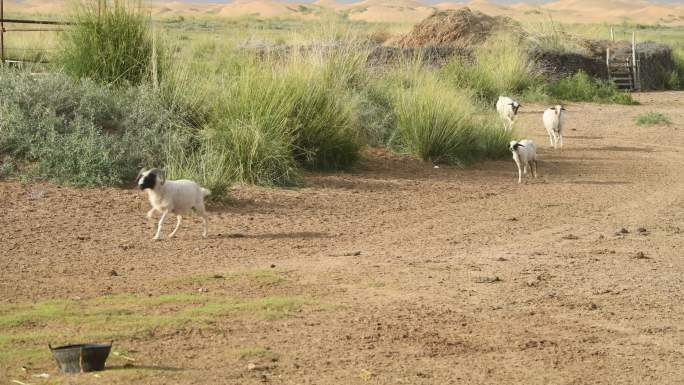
[{"x": 173, "y": 196}]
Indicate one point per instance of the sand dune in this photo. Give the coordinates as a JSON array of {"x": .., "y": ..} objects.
[
  {"x": 392, "y": 14},
  {"x": 404, "y": 11}
]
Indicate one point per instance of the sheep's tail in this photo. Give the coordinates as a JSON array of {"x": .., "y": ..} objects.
[{"x": 205, "y": 191}]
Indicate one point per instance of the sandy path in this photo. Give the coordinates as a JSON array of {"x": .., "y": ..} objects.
[{"x": 463, "y": 276}]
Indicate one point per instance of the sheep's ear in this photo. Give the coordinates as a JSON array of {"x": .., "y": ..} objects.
[{"x": 137, "y": 178}]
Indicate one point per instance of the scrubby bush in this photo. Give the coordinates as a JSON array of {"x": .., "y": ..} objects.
[
  {"x": 675, "y": 79},
  {"x": 111, "y": 42},
  {"x": 583, "y": 88},
  {"x": 78, "y": 132}
]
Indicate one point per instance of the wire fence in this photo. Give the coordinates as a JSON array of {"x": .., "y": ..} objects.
[{"x": 16, "y": 25}]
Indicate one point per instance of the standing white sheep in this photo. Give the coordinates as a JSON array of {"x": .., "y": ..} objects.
[
  {"x": 508, "y": 110},
  {"x": 553, "y": 122},
  {"x": 175, "y": 196},
  {"x": 525, "y": 156}
]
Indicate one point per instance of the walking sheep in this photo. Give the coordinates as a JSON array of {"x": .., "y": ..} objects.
[
  {"x": 508, "y": 110},
  {"x": 172, "y": 196},
  {"x": 525, "y": 157},
  {"x": 553, "y": 122}
]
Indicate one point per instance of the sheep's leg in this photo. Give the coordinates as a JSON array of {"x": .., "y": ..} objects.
[
  {"x": 178, "y": 223},
  {"x": 150, "y": 213},
  {"x": 517, "y": 163},
  {"x": 534, "y": 168},
  {"x": 204, "y": 225},
  {"x": 159, "y": 226},
  {"x": 561, "y": 140}
]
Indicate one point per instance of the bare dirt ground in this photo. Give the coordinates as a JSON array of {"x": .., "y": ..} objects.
[{"x": 418, "y": 275}]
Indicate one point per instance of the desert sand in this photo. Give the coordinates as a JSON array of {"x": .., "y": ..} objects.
[
  {"x": 415, "y": 275},
  {"x": 405, "y": 11}
]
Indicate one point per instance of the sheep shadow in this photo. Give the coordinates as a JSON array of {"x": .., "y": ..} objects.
[
  {"x": 291, "y": 235},
  {"x": 586, "y": 137},
  {"x": 600, "y": 182},
  {"x": 145, "y": 367},
  {"x": 358, "y": 183},
  {"x": 616, "y": 149}
]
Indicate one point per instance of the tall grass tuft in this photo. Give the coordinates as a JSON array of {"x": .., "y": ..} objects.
[
  {"x": 437, "y": 123},
  {"x": 272, "y": 118},
  {"x": 112, "y": 42},
  {"x": 501, "y": 67}
]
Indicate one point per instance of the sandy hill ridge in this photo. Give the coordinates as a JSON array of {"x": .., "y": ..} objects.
[{"x": 403, "y": 11}]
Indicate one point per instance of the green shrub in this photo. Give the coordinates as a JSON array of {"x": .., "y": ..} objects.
[
  {"x": 376, "y": 114},
  {"x": 78, "y": 132},
  {"x": 111, "y": 44},
  {"x": 501, "y": 67},
  {"x": 675, "y": 79},
  {"x": 652, "y": 119},
  {"x": 271, "y": 119},
  {"x": 436, "y": 122},
  {"x": 583, "y": 88}
]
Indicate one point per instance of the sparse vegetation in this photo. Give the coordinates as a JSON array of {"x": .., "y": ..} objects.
[
  {"x": 26, "y": 326},
  {"x": 652, "y": 119},
  {"x": 220, "y": 115}
]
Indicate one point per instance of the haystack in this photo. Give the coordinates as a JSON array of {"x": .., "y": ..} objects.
[{"x": 461, "y": 28}]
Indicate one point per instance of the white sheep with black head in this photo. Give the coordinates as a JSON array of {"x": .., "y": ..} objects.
[
  {"x": 525, "y": 156},
  {"x": 508, "y": 111},
  {"x": 179, "y": 197}
]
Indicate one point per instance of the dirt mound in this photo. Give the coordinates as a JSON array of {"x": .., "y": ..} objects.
[{"x": 457, "y": 28}]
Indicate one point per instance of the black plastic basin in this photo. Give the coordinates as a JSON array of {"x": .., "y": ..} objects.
[{"x": 82, "y": 357}]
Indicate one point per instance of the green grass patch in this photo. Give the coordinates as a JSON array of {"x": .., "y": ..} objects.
[
  {"x": 652, "y": 119},
  {"x": 25, "y": 355},
  {"x": 24, "y": 327}
]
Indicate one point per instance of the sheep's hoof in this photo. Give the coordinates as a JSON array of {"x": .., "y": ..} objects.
[{"x": 156, "y": 239}]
